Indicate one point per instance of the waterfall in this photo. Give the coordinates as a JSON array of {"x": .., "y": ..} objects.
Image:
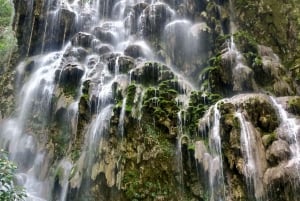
[
  {"x": 252, "y": 166},
  {"x": 82, "y": 53},
  {"x": 289, "y": 128},
  {"x": 179, "y": 151},
  {"x": 211, "y": 159},
  {"x": 122, "y": 118},
  {"x": 35, "y": 99}
]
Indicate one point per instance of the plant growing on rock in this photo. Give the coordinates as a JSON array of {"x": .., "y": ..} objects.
[{"x": 8, "y": 190}]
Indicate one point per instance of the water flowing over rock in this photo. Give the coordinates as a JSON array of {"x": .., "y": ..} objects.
[{"x": 116, "y": 100}]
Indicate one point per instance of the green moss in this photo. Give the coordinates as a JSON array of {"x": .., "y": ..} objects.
[
  {"x": 262, "y": 114},
  {"x": 131, "y": 90},
  {"x": 6, "y": 11},
  {"x": 70, "y": 90},
  {"x": 150, "y": 178},
  {"x": 8, "y": 42},
  {"x": 294, "y": 105},
  {"x": 191, "y": 147},
  {"x": 267, "y": 139}
]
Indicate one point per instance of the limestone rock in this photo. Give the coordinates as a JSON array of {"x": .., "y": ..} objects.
[{"x": 278, "y": 151}]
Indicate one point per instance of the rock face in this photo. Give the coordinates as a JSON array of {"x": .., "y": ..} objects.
[
  {"x": 155, "y": 100},
  {"x": 271, "y": 154}
]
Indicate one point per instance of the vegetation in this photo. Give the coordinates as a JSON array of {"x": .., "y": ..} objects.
[
  {"x": 8, "y": 191},
  {"x": 7, "y": 38}
]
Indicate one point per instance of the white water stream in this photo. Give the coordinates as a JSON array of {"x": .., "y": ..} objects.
[
  {"x": 211, "y": 159},
  {"x": 290, "y": 126}
]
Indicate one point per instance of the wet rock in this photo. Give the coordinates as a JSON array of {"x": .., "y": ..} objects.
[
  {"x": 278, "y": 151},
  {"x": 293, "y": 105},
  {"x": 261, "y": 113},
  {"x": 105, "y": 35},
  {"x": 83, "y": 39},
  {"x": 200, "y": 150},
  {"x": 75, "y": 54},
  {"x": 177, "y": 39},
  {"x": 139, "y": 7},
  {"x": 181, "y": 46},
  {"x": 132, "y": 19},
  {"x": 64, "y": 24},
  {"x": 268, "y": 139},
  {"x": 103, "y": 49},
  {"x": 271, "y": 72},
  {"x": 154, "y": 19},
  {"x": 123, "y": 63},
  {"x": 283, "y": 88},
  {"x": 134, "y": 51},
  {"x": 201, "y": 34},
  {"x": 281, "y": 174},
  {"x": 243, "y": 78},
  {"x": 70, "y": 76},
  {"x": 151, "y": 73}
]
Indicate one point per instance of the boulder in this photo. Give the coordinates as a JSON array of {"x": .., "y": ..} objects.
[
  {"x": 242, "y": 78},
  {"x": 278, "y": 151},
  {"x": 139, "y": 49},
  {"x": 70, "y": 76},
  {"x": 134, "y": 51},
  {"x": 154, "y": 19},
  {"x": 103, "y": 49},
  {"x": 83, "y": 39},
  {"x": 151, "y": 73},
  {"x": 75, "y": 54},
  {"x": 293, "y": 105},
  {"x": 105, "y": 35},
  {"x": 124, "y": 63}
]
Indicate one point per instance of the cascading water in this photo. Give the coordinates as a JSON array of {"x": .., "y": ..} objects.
[
  {"x": 289, "y": 128},
  {"x": 211, "y": 160},
  {"x": 101, "y": 34},
  {"x": 252, "y": 164},
  {"x": 25, "y": 150},
  {"x": 179, "y": 149}
]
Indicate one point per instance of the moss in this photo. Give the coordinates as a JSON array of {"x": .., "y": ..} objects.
[
  {"x": 198, "y": 104},
  {"x": 294, "y": 105},
  {"x": 151, "y": 177},
  {"x": 245, "y": 42},
  {"x": 267, "y": 139},
  {"x": 151, "y": 73},
  {"x": 274, "y": 23},
  {"x": 69, "y": 90},
  {"x": 191, "y": 147},
  {"x": 262, "y": 114},
  {"x": 60, "y": 141},
  {"x": 131, "y": 90}
]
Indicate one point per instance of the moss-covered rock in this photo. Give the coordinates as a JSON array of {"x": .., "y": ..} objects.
[
  {"x": 294, "y": 105},
  {"x": 261, "y": 113}
]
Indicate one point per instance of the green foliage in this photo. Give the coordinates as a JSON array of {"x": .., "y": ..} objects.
[
  {"x": 8, "y": 191},
  {"x": 6, "y": 11},
  {"x": 7, "y": 39},
  {"x": 198, "y": 105}
]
